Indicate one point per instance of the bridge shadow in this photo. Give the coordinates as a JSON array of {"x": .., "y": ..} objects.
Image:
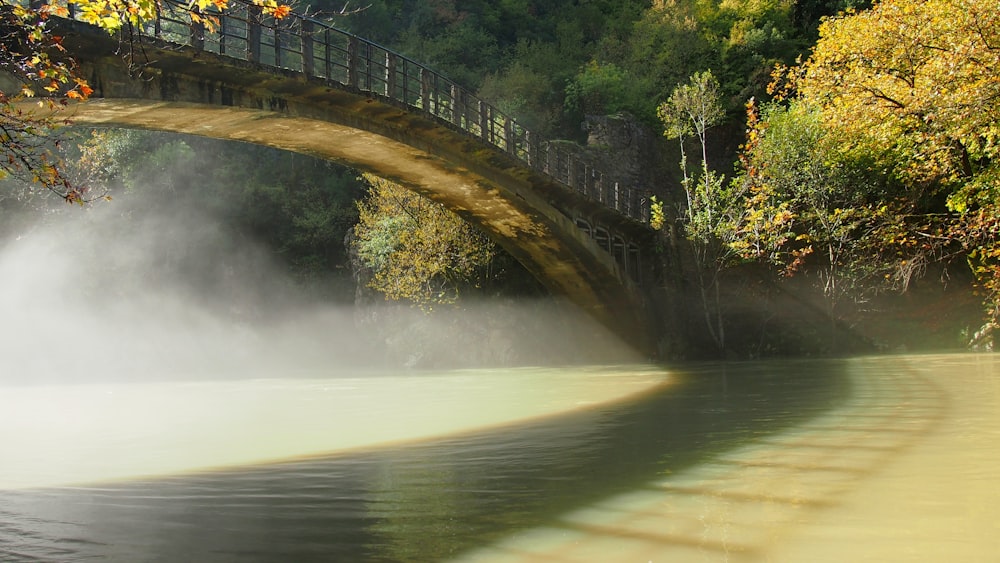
[{"x": 737, "y": 505}]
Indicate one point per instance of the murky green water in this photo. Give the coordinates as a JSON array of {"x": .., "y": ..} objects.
[{"x": 883, "y": 459}]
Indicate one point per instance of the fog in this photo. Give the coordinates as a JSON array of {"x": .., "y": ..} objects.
[{"x": 121, "y": 291}]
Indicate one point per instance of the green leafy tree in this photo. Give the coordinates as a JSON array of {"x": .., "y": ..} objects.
[
  {"x": 599, "y": 89},
  {"x": 712, "y": 212},
  {"x": 520, "y": 91},
  {"x": 519, "y": 55},
  {"x": 811, "y": 207},
  {"x": 740, "y": 41},
  {"x": 749, "y": 38},
  {"x": 691, "y": 110},
  {"x": 665, "y": 47}
]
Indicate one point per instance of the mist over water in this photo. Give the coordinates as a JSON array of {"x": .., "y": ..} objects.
[
  {"x": 142, "y": 342},
  {"x": 126, "y": 292},
  {"x": 102, "y": 294},
  {"x": 169, "y": 391}
]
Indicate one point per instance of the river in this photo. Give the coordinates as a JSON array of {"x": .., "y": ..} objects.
[{"x": 869, "y": 459}]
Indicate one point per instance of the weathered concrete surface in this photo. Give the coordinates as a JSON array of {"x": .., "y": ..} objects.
[{"x": 185, "y": 91}]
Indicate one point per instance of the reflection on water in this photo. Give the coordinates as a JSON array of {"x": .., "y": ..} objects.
[{"x": 884, "y": 459}]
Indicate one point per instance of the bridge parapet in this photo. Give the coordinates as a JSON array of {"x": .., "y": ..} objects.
[{"x": 319, "y": 50}]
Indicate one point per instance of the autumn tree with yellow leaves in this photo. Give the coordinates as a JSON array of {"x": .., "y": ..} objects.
[
  {"x": 885, "y": 143},
  {"x": 416, "y": 249}
]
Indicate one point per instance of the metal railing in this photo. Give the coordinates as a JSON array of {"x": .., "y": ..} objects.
[{"x": 319, "y": 50}]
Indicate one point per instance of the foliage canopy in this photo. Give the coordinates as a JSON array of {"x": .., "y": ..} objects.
[
  {"x": 416, "y": 249},
  {"x": 886, "y": 152}
]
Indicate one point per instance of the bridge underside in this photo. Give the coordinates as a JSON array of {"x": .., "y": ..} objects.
[{"x": 199, "y": 93}]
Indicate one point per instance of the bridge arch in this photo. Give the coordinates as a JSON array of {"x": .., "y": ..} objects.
[{"x": 424, "y": 133}]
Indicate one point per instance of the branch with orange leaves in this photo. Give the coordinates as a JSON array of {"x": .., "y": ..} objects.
[
  {"x": 35, "y": 63},
  {"x": 113, "y": 15},
  {"x": 28, "y": 151}
]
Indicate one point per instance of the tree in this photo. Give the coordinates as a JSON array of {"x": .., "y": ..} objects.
[
  {"x": 33, "y": 59},
  {"x": 417, "y": 250},
  {"x": 749, "y": 38},
  {"x": 665, "y": 47},
  {"x": 708, "y": 216},
  {"x": 913, "y": 84},
  {"x": 522, "y": 92},
  {"x": 810, "y": 207},
  {"x": 601, "y": 89},
  {"x": 691, "y": 110},
  {"x": 916, "y": 81}
]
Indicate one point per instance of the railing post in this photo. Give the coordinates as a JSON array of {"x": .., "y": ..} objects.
[
  {"x": 425, "y": 89},
  {"x": 484, "y": 122},
  {"x": 456, "y": 115},
  {"x": 327, "y": 48},
  {"x": 222, "y": 33},
  {"x": 508, "y": 136},
  {"x": 197, "y": 32},
  {"x": 306, "y": 37},
  {"x": 458, "y": 107},
  {"x": 556, "y": 166},
  {"x": 157, "y": 25},
  {"x": 352, "y": 61},
  {"x": 531, "y": 150},
  {"x": 573, "y": 178},
  {"x": 404, "y": 86},
  {"x": 390, "y": 75},
  {"x": 253, "y": 33},
  {"x": 277, "y": 43},
  {"x": 466, "y": 115}
]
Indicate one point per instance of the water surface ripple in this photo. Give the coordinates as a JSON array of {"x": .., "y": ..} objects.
[{"x": 728, "y": 462}]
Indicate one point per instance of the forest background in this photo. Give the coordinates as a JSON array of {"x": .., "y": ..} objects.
[{"x": 848, "y": 161}]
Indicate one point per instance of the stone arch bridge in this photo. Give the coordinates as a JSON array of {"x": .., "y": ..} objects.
[{"x": 301, "y": 85}]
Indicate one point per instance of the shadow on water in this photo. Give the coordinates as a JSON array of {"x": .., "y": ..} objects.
[
  {"x": 734, "y": 505},
  {"x": 433, "y": 500}
]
